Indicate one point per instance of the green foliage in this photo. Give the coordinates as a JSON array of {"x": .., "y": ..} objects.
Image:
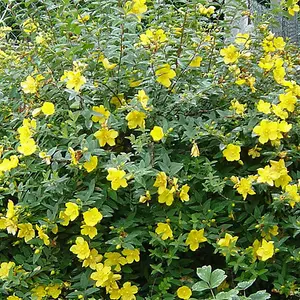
[{"x": 211, "y": 280}]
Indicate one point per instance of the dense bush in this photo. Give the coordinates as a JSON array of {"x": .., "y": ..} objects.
[{"x": 142, "y": 141}]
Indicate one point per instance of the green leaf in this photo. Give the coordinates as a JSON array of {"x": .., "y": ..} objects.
[
  {"x": 84, "y": 281},
  {"x": 245, "y": 284},
  {"x": 204, "y": 273},
  {"x": 260, "y": 295},
  {"x": 228, "y": 295},
  {"x": 36, "y": 256},
  {"x": 91, "y": 291},
  {"x": 175, "y": 168},
  {"x": 200, "y": 286},
  {"x": 217, "y": 277}
]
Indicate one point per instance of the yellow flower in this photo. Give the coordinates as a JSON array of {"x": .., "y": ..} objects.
[
  {"x": 11, "y": 211},
  {"x": 39, "y": 292},
  {"x": 114, "y": 259},
  {"x": 54, "y": 290},
  {"x": 81, "y": 249},
  {"x": 256, "y": 244},
  {"x": 74, "y": 80},
  {"x": 10, "y": 222},
  {"x": 83, "y": 18},
  {"x": 196, "y": 62},
  {"x": 280, "y": 173},
  {"x": 131, "y": 255},
  {"x": 138, "y": 7},
  {"x": 101, "y": 114},
  {"x": 143, "y": 98},
  {"x": 72, "y": 210},
  {"x": 230, "y": 54},
  {"x": 184, "y": 292},
  {"x": 266, "y": 62},
  {"x": 3, "y": 223},
  {"x": 74, "y": 155},
  {"x": 264, "y": 107},
  {"x": 5, "y": 269},
  {"x": 48, "y": 108},
  {"x": 195, "y": 237},
  {"x": 111, "y": 285},
  {"x": 279, "y": 74},
  {"x": 146, "y": 198},
  {"x": 88, "y": 230},
  {"x": 164, "y": 74},
  {"x": 157, "y": 133},
  {"x": 238, "y": 107},
  {"x": 92, "y": 216},
  {"x": 277, "y": 172},
  {"x": 135, "y": 83},
  {"x": 279, "y": 43},
  {"x": 195, "y": 150},
  {"x": 41, "y": 39},
  {"x": 101, "y": 275},
  {"x": 65, "y": 218},
  {"x": 287, "y": 101},
  {"x": 107, "y": 65},
  {"x": 127, "y": 292},
  {"x": 13, "y": 298},
  {"x": 117, "y": 178},
  {"x": 266, "y": 175},
  {"x": 26, "y": 231},
  {"x": 267, "y": 130},
  {"x": 206, "y": 11},
  {"x": 136, "y": 119},
  {"x": 279, "y": 112},
  {"x": 106, "y": 136},
  {"x": 30, "y": 85},
  {"x": 54, "y": 228},
  {"x": 265, "y": 251},
  {"x": 292, "y": 193},
  {"x": 30, "y": 26},
  {"x": 91, "y": 164},
  {"x": 8, "y": 164},
  {"x": 167, "y": 196},
  {"x": 268, "y": 44},
  {"x": 161, "y": 182},
  {"x": 27, "y": 129},
  {"x": 12, "y": 226},
  {"x": 164, "y": 230},
  {"x": 232, "y": 152},
  {"x": 42, "y": 235},
  {"x": 254, "y": 152},
  {"x": 273, "y": 231},
  {"x": 184, "y": 196},
  {"x": 294, "y": 8},
  {"x": 228, "y": 240},
  {"x": 243, "y": 39},
  {"x": 154, "y": 37},
  {"x": 93, "y": 259},
  {"x": 244, "y": 187},
  {"x": 27, "y": 147}
]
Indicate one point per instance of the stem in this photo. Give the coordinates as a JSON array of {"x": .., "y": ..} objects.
[
  {"x": 181, "y": 39},
  {"x": 4, "y": 13},
  {"x": 121, "y": 47}
]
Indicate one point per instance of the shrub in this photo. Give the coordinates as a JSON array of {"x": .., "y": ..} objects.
[{"x": 141, "y": 141}]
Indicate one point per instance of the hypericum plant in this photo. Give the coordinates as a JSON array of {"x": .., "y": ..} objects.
[{"x": 141, "y": 139}]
